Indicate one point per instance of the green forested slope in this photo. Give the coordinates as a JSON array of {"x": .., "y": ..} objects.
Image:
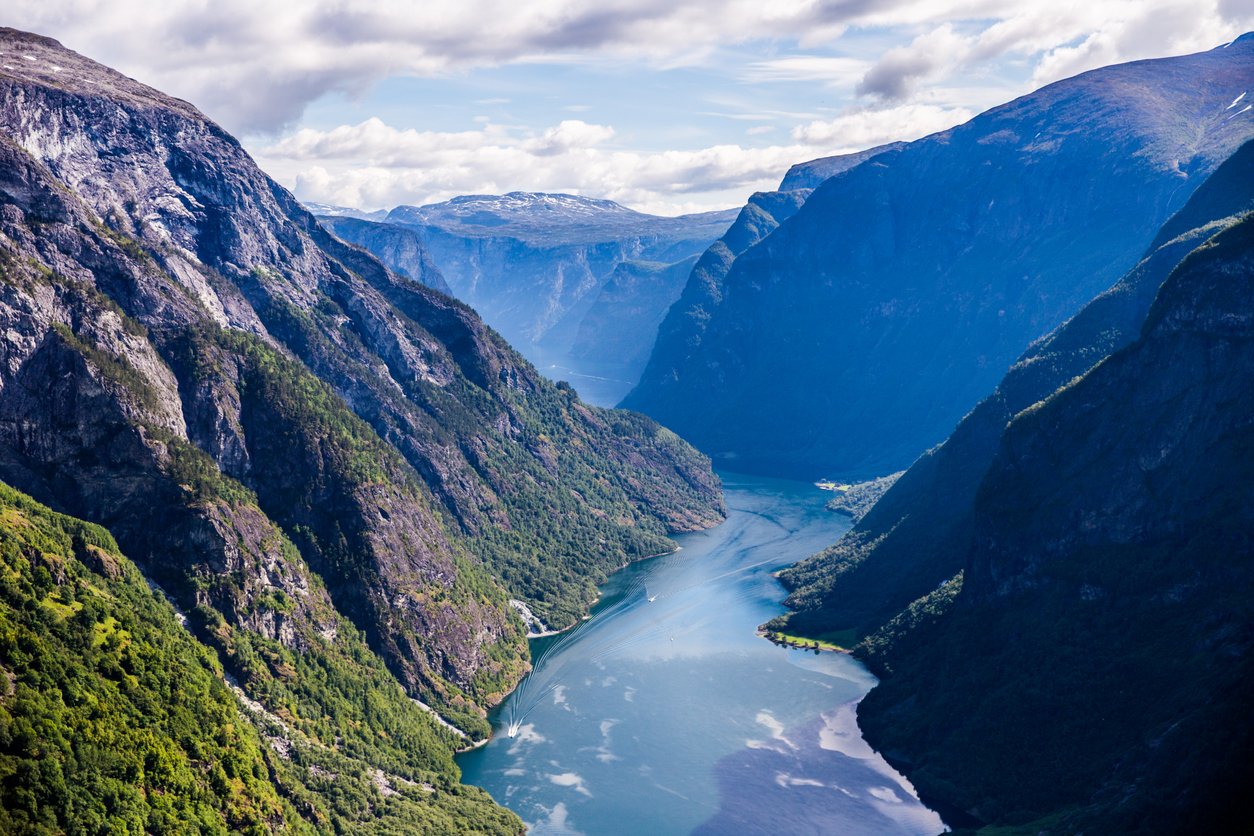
[{"x": 113, "y": 718}]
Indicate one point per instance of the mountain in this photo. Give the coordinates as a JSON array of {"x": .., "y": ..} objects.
[
  {"x": 339, "y": 475},
  {"x": 534, "y": 265},
  {"x": 113, "y": 717},
  {"x": 680, "y": 333},
  {"x": 856, "y": 335},
  {"x": 915, "y": 536},
  {"x": 810, "y": 175},
  {"x": 540, "y": 218},
  {"x": 625, "y": 309},
  {"x": 1090, "y": 669},
  {"x": 326, "y": 210},
  {"x": 399, "y": 248}
]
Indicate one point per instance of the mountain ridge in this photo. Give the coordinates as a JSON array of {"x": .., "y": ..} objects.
[
  {"x": 865, "y": 326},
  {"x": 339, "y": 475},
  {"x": 1123, "y": 578}
]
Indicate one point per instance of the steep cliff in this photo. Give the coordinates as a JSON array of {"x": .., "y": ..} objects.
[
  {"x": 338, "y": 473},
  {"x": 856, "y": 335},
  {"x": 1093, "y": 672},
  {"x": 915, "y": 536}
]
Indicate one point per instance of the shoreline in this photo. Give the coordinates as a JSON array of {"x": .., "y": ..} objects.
[
  {"x": 544, "y": 635},
  {"x": 739, "y": 547},
  {"x": 801, "y": 643},
  {"x": 473, "y": 746},
  {"x": 595, "y": 601}
]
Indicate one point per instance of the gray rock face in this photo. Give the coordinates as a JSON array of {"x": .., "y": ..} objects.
[
  {"x": 252, "y": 405},
  {"x": 856, "y": 335}
]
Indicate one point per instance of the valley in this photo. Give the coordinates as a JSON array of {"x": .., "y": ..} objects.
[
  {"x": 665, "y": 712},
  {"x": 395, "y": 476}
]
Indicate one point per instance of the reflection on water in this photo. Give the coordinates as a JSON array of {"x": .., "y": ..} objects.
[{"x": 665, "y": 713}]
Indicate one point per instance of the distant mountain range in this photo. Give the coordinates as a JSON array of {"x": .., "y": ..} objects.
[
  {"x": 329, "y": 211},
  {"x": 535, "y": 265},
  {"x": 857, "y": 334}
]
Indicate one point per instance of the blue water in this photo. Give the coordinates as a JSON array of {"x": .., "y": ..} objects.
[{"x": 671, "y": 716}]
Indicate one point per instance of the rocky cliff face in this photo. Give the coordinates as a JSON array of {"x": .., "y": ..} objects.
[
  {"x": 400, "y": 249},
  {"x": 316, "y": 457},
  {"x": 856, "y": 335},
  {"x": 915, "y": 537},
  {"x": 1093, "y": 673}
]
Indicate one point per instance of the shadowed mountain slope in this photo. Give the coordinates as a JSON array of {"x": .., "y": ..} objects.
[
  {"x": 856, "y": 335},
  {"x": 1090, "y": 670},
  {"x": 914, "y": 537}
]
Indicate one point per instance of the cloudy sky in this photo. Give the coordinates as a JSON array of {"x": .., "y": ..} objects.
[{"x": 665, "y": 105}]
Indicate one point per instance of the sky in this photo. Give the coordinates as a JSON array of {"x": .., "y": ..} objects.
[{"x": 666, "y": 106}]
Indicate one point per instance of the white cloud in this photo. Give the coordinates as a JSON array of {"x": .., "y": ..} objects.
[
  {"x": 900, "y": 69},
  {"x": 258, "y": 65},
  {"x": 372, "y": 165},
  {"x": 870, "y": 71},
  {"x": 866, "y": 128},
  {"x": 1130, "y": 34},
  {"x": 571, "y": 133},
  {"x": 820, "y": 68}
]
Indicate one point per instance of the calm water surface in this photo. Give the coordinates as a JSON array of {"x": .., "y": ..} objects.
[{"x": 664, "y": 713}]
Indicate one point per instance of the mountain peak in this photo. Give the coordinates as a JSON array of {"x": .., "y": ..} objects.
[
  {"x": 490, "y": 209},
  {"x": 551, "y": 217},
  {"x": 811, "y": 174},
  {"x": 44, "y": 62}
]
